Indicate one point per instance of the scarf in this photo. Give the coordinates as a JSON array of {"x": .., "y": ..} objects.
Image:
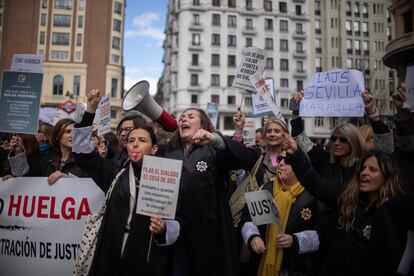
[{"x": 271, "y": 261}]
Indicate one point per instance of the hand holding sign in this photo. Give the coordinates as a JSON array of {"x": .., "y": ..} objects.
[{"x": 157, "y": 225}]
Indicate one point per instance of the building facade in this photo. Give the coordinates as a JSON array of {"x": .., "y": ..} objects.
[
  {"x": 81, "y": 41},
  {"x": 204, "y": 43}
]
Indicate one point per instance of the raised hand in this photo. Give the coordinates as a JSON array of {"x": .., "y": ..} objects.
[
  {"x": 289, "y": 144},
  {"x": 400, "y": 96},
  {"x": 368, "y": 101},
  {"x": 93, "y": 98},
  {"x": 203, "y": 137},
  {"x": 239, "y": 120}
]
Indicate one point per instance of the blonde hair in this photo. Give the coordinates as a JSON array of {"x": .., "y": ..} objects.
[
  {"x": 355, "y": 140},
  {"x": 273, "y": 120}
]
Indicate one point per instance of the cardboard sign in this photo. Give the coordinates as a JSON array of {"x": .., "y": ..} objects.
[
  {"x": 27, "y": 63},
  {"x": 212, "y": 112},
  {"x": 262, "y": 208},
  {"x": 253, "y": 61},
  {"x": 335, "y": 93},
  {"x": 263, "y": 90},
  {"x": 20, "y": 102},
  {"x": 41, "y": 225},
  {"x": 409, "y": 83},
  {"x": 259, "y": 105},
  {"x": 159, "y": 186},
  {"x": 104, "y": 125},
  {"x": 249, "y": 131}
]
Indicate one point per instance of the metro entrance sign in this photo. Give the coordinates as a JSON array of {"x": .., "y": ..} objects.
[{"x": 68, "y": 106}]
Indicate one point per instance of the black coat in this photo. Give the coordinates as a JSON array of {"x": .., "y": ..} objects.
[
  {"x": 52, "y": 163},
  {"x": 207, "y": 240},
  {"x": 108, "y": 259}
]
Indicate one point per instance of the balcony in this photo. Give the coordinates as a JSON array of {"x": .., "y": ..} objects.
[
  {"x": 318, "y": 50},
  {"x": 357, "y": 33},
  {"x": 357, "y": 52},
  {"x": 348, "y": 13},
  {"x": 367, "y": 72},
  {"x": 298, "y": 1},
  {"x": 318, "y": 31},
  {"x": 299, "y": 16},
  {"x": 317, "y": 12},
  {"x": 365, "y": 15},
  {"x": 300, "y": 54},
  {"x": 349, "y": 51},
  {"x": 248, "y": 30},
  {"x": 348, "y": 32},
  {"x": 357, "y": 14},
  {"x": 195, "y": 26},
  {"x": 300, "y": 74},
  {"x": 366, "y": 34},
  {"x": 401, "y": 48},
  {"x": 195, "y": 67},
  {"x": 366, "y": 52},
  {"x": 300, "y": 35},
  {"x": 198, "y": 48}
]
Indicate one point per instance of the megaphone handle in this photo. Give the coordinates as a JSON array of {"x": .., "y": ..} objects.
[{"x": 167, "y": 121}]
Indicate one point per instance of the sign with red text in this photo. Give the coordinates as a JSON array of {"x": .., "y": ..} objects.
[
  {"x": 159, "y": 186},
  {"x": 335, "y": 93},
  {"x": 104, "y": 125},
  {"x": 259, "y": 105},
  {"x": 249, "y": 131},
  {"x": 41, "y": 225},
  {"x": 252, "y": 62}
]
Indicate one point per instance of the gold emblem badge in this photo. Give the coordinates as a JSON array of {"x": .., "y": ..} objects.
[
  {"x": 233, "y": 177},
  {"x": 306, "y": 213}
]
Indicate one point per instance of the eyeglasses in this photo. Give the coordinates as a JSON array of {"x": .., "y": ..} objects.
[
  {"x": 280, "y": 158},
  {"x": 126, "y": 129},
  {"x": 342, "y": 139}
]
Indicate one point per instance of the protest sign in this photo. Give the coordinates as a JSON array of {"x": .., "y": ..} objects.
[
  {"x": 409, "y": 83},
  {"x": 262, "y": 208},
  {"x": 249, "y": 131},
  {"x": 159, "y": 185},
  {"x": 253, "y": 61},
  {"x": 20, "y": 102},
  {"x": 27, "y": 63},
  {"x": 260, "y": 107},
  {"x": 80, "y": 110},
  {"x": 41, "y": 225},
  {"x": 212, "y": 112},
  {"x": 104, "y": 124},
  {"x": 335, "y": 93},
  {"x": 264, "y": 91}
]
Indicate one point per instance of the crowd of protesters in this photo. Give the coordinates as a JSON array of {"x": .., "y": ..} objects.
[{"x": 345, "y": 208}]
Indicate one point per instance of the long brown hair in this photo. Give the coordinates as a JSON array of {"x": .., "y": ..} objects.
[
  {"x": 349, "y": 199},
  {"x": 60, "y": 128},
  {"x": 30, "y": 145},
  {"x": 175, "y": 141}
]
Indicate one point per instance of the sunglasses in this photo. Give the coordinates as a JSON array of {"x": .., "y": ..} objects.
[
  {"x": 342, "y": 139},
  {"x": 279, "y": 159}
]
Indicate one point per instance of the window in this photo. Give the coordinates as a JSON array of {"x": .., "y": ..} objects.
[
  {"x": 194, "y": 79},
  {"x": 284, "y": 46},
  {"x": 114, "y": 87},
  {"x": 58, "y": 85},
  {"x": 349, "y": 63},
  {"x": 44, "y": 4},
  {"x": 78, "y": 55},
  {"x": 269, "y": 63},
  {"x": 284, "y": 83},
  {"x": 215, "y": 80},
  {"x": 118, "y": 7},
  {"x": 249, "y": 5},
  {"x": 317, "y": 7},
  {"x": 61, "y": 20},
  {"x": 196, "y": 2},
  {"x": 282, "y": 7},
  {"x": 348, "y": 8},
  {"x": 231, "y": 100},
  {"x": 113, "y": 114},
  {"x": 357, "y": 45},
  {"x": 117, "y": 25},
  {"x": 283, "y": 25},
  {"x": 356, "y": 26},
  {"x": 215, "y": 99},
  {"x": 298, "y": 10},
  {"x": 215, "y": 19},
  {"x": 268, "y": 43},
  {"x": 216, "y": 3},
  {"x": 349, "y": 46},
  {"x": 228, "y": 122},
  {"x": 63, "y": 4},
  {"x": 196, "y": 19},
  {"x": 318, "y": 45},
  {"x": 299, "y": 47},
  {"x": 60, "y": 38},
  {"x": 365, "y": 45},
  {"x": 248, "y": 101},
  {"x": 194, "y": 98},
  {"x": 318, "y": 121},
  {"x": 115, "y": 58},
  {"x": 231, "y": 41},
  {"x": 80, "y": 21},
  {"x": 365, "y": 27},
  {"x": 76, "y": 85},
  {"x": 215, "y": 39},
  {"x": 348, "y": 26},
  {"x": 284, "y": 64},
  {"x": 365, "y": 10},
  {"x": 194, "y": 59},
  {"x": 284, "y": 103},
  {"x": 42, "y": 38},
  {"x": 317, "y": 26},
  {"x": 268, "y": 24},
  {"x": 230, "y": 79},
  {"x": 195, "y": 39},
  {"x": 232, "y": 21},
  {"x": 43, "y": 19},
  {"x": 356, "y": 9},
  {"x": 318, "y": 64},
  {"x": 81, "y": 5},
  {"x": 249, "y": 24},
  {"x": 299, "y": 28},
  {"x": 116, "y": 41},
  {"x": 299, "y": 66},
  {"x": 79, "y": 40},
  {"x": 231, "y": 3},
  {"x": 231, "y": 61},
  {"x": 215, "y": 59},
  {"x": 299, "y": 85},
  {"x": 249, "y": 42}
]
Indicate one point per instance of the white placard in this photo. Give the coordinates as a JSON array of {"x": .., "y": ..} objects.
[
  {"x": 52, "y": 115},
  {"x": 80, "y": 110},
  {"x": 27, "y": 63},
  {"x": 42, "y": 224},
  {"x": 262, "y": 208},
  {"x": 159, "y": 186},
  {"x": 253, "y": 61},
  {"x": 264, "y": 91},
  {"x": 335, "y": 93},
  {"x": 249, "y": 131},
  {"x": 104, "y": 125},
  {"x": 409, "y": 83},
  {"x": 259, "y": 105},
  {"x": 212, "y": 112}
]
